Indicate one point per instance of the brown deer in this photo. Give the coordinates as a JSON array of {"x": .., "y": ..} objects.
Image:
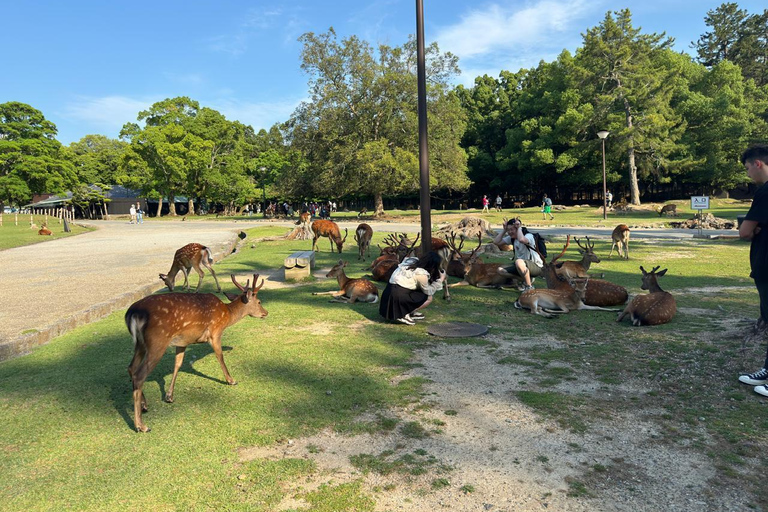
[
  {"x": 484, "y": 275},
  {"x": 517, "y": 204},
  {"x": 188, "y": 257},
  {"x": 654, "y": 308},
  {"x": 668, "y": 209},
  {"x": 620, "y": 238},
  {"x": 351, "y": 290},
  {"x": 179, "y": 319},
  {"x": 363, "y": 235},
  {"x": 44, "y": 231},
  {"x": 329, "y": 229},
  {"x": 572, "y": 269},
  {"x": 392, "y": 254},
  {"x": 457, "y": 259},
  {"x": 561, "y": 296},
  {"x": 306, "y": 231}
]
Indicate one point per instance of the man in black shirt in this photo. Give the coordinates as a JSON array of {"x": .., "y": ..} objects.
[{"x": 755, "y": 160}]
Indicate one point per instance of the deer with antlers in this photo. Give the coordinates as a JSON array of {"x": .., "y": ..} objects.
[
  {"x": 572, "y": 269},
  {"x": 351, "y": 290},
  {"x": 620, "y": 238},
  {"x": 363, "y": 236},
  {"x": 654, "y": 308},
  {"x": 561, "y": 297},
  {"x": 393, "y": 252},
  {"x": 180, "y": 320},
  {"x": 330, "y": 229},
  {"x": 191, "y": 256},
  {"x": 483, "y": 275}
]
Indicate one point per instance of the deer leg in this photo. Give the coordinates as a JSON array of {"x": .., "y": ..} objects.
[
  {"x": 622, "y": 315},
  {"x": 216, "y": 344},
  {"x": 612, "y": 246},
  {"x": 460, "y": 283},
  {"x": 213, "y": 273},
  {"x": 139, "y": 402},
  {"x": 597, "y": 308},
  {"x": 334, "y": 293},
  {"x": 138, "y": 356},
  {"x": 185, "y": 271},
  {"x": 200, "y": 275},
  {"x": 176, "y": 366}
]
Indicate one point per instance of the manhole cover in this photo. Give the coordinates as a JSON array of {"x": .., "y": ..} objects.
[{"x": 457, "y": 330}]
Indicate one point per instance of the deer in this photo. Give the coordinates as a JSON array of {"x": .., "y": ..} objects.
[
  {"x": 517, "y": 204},
  {"x": 306, "y": 231},
  {"x": 457, "y": 259},
  {"x": 620, "y": 238},
  {"x": 484, "y": 275},
  {"x": 180, "y": 320},
  {"x": 329, "y": 229},
  {"x": 188, "y": 257},
  {"x": 654, "y": 308},
  {"x": 391, "y": 255},
  {"x": 363, "y": 235},
  {"x": 572, "y": 269},
  {"x": 351, "y": 290},
  {"x": 44, "y": 231},
  {"x": 669, "y": 209},
  {"x": 561, "y": 296}
]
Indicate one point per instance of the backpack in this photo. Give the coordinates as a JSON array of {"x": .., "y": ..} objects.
[
  {"x": 540, "y": 242},
  {"x": 548, "y": 202}
]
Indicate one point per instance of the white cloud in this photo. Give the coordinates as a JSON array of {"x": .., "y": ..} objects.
[
  {"x": 257, "y": 114},
  {"x": 109, "y": 113}
]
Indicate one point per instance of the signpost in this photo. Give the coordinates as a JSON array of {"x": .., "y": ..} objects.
[{"x": 699, "y": 203}]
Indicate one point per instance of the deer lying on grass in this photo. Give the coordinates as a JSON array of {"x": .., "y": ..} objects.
[
  {"x": 561, "y": 297},
  {"x": 363, "y": 235},
  {"x": 484, "y": 275},
  {"x": 572, "y": 269},
  {"x": 188, "y": 257},
  {"x": 329, "y": 229},
  {"x": 620, "y": 238},
  {"x": 669, "y": 209},
  {"x": 654, "y": 308},
  {"x": 44, "y": 231},
  {"x": 392, "y": 254},
  {"x": 179, "y": 319},
  {"x": 351, "y": 290}
]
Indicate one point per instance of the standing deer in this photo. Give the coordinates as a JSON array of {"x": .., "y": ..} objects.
[
  {"x": 656, "y": 307},
  {"x": 363, "y": 235},
  {"x": 572, "y": 269},
  {"x": 561, "y": 296},
  {"x": 306, "y": 231},
  {"x": 620, "y": 238},
  {"x": 351, "y": 290},
  {"x": 190, "y": 256},
  {"x": 329, "y": 229},
  {"x": 669, "y": 209},
  {"x": 179, "y": 319}
]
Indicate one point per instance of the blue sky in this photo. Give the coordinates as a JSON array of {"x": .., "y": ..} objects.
[{"x": 91, "y": 66}]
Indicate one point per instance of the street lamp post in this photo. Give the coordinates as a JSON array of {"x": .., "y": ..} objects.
[
  {"x": 263, "y": 171},
  {"x": 603, "y": 134}
]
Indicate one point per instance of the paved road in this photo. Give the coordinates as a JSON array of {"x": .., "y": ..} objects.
[{"x": 49, "y": 288}]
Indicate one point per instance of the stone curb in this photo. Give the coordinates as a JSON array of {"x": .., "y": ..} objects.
[{"x": 25, "y": 343}]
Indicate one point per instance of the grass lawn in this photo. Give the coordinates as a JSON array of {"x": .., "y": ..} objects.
[
  {"x": 67, "y": 438},
  {"x": 12, "y": 235}
]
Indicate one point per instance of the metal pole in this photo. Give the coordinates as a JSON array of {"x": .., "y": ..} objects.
[
  {"x": 424, "y": 203},
  {"x": 605, "y": 190}
]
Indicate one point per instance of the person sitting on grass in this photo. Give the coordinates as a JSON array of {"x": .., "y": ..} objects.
[
  {"x": 528, "y": 264},
  {"x": 411, "y": 288}
]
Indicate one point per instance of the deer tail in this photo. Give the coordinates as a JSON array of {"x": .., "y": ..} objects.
[
  {"x": 209, "y": 255},
  {"x": 136, "y": 320}
]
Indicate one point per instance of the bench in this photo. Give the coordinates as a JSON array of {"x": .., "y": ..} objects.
[{"x": 299, "y": 264}]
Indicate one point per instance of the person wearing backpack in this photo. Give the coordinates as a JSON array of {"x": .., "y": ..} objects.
[
  {"x": 546, "y": 208},
  {"x": 527, "y": 264}
]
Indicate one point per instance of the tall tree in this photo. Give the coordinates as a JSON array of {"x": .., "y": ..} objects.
[
  {"x": 722, "y": 42},
  {"x": 631, "y": 83},
  {"x": 362, "y": 102},
  {"x": 32, "y": 161},
  {"x": 97, "y": 158}
]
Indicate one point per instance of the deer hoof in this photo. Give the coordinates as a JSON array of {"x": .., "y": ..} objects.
[
  {"x": 169, "y": 399},
  {"x": 143, "y": 428},
  {"x": 233, "y": 383}
]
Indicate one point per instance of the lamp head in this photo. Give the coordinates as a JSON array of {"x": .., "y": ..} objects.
[{"x": 603, "y": 134}]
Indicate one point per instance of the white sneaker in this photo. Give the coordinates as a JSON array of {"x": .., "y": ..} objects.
[
  {"x": 406, "y": 320},
  {"x": 761, "y": 390},
  {"x": 758, "y": 378}
]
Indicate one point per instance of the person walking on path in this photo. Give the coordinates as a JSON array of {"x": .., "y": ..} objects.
[
  {"x": 486, "y": 202},
  {"x": 498, "y": 202},
  {"x": 546, "y": 208},
  {"x": 753, "y": 228},
  {"x": 132, "y": 211},
  {"x": 139, "y": 214}
]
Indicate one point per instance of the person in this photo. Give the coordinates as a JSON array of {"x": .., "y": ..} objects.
[
  {"x": 139, "y": 214},
  {"x": 609, "y": 198},
  {"x": 498, "y": 202},
  {"x": 528, "y": 263},
  {"x": 546, "y": 208},
  {"x": 485, "y": 204},
  {"x": 132, "y": 211},
  {"x": 411, "y": 288},
  {"x": 755, "y": 161}
]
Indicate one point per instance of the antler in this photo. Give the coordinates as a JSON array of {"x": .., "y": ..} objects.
[
  {"x": 567, "y": 243},
  {"x": 452, "y": 243},
  {"x": 578, "y": 242},
  {"x": 255, "y": 278},
  {"x": 590, "y": 245},
  {"x": 479, "y": 244}
]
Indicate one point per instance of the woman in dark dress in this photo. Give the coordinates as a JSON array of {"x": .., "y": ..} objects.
[{"x": 411, "y": 287}]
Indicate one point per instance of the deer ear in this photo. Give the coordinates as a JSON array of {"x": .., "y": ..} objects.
[
  {"x": 643, "y": 270},
  {"x": 659, "y": 274},
  {"x": 231, "y": 296}
]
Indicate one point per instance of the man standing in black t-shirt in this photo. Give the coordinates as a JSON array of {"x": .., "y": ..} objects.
[{"x": 754, "y": 228}]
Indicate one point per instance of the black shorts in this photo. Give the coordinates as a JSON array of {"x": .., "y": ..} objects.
[{"x": 396, "y": 301}]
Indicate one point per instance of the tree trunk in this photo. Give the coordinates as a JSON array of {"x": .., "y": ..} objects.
[
  {"x": 159, "y": 207},
  {"x": 634, "y": 189},
  {"x": 191, "y": 207},
  {"x": 378, "y": 200},
  {"x": 172, "y": 205}
]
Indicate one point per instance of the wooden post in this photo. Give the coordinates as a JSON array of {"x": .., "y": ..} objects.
[{"x": 16, "y": 217}]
